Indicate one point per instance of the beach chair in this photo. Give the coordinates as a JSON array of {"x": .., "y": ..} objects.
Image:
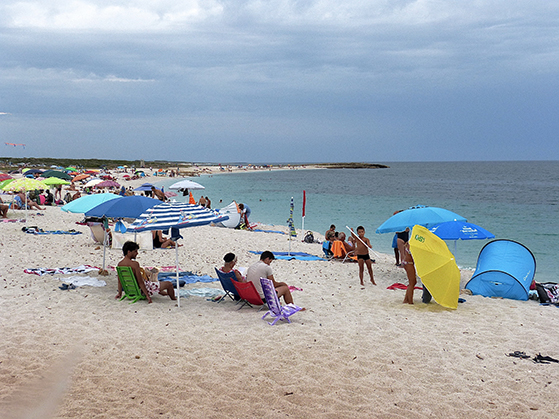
[
  {"x": 327, "y": 249},
  {"x": 228, "y": 287},
  {"x": 248, "y": 293},
  {"x": 129, "y": 284},
  {"x": 339, "y": 252},
  {"x": 276, "y": 310},
  {"x": 97, "y": 231}
]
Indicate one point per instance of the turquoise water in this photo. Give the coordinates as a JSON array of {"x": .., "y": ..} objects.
[{"x": 513, "y": 200}]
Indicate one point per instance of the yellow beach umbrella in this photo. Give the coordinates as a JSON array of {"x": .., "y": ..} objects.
[
  {"x": 436, "y": 267},
  {"x": 24, "y": 184}
]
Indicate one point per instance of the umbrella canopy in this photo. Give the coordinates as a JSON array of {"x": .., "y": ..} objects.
[
  {"x": 57, "y": 173},
  {"x": 87, "y": 202},
  {"x": 31, "y": 171},
  {"x": 170, "y": 194},
  {"x": 436, "y": 266},
  {"x": 5, "y": 182},
  {"x": 461, "y": 230},
  {"x": 186, "y": 184},
  {"x": 108, "y": 184},
  {"x": 71, "y": 169},
  {"x": 144, "y": 187},
  {"x": 4, "y": 176},
  {"x": 81, "y": 177},
  {"x": 55, "y": 181},
  {"x": 418, "y": 215},
  {"x": 92, "y": 182},
  {"x": 175, "y": 215},
  {"x": 125, "y": 207},
  {"x": 24, "y": 184}
]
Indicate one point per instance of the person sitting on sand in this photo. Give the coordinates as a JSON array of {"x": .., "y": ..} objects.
[
  {"x": 229, "y": 266},
  {"x": 262, "y": 269},
  {"x": 331, "y": 230},
  {"x": 362, "y": 246},
  {"x": 407, "y": 261},
  {"x": 19, "y": 203},
  {"x": 149, "y": 288},
  {"x": 4, "y": 210},
  {"x": 159, "y": 194},
  {"x": 161, "y": 242},
  {"x": 347, "y": 246}
]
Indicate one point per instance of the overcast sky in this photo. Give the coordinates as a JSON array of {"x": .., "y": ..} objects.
[{"x": 280, "y": 81}]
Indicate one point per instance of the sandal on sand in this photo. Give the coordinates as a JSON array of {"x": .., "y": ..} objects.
[
  {"x": 540, "y": 359},
  {"x": 519, "y": 354}
]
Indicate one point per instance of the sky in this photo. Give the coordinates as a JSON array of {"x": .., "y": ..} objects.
[{"x": 280, "y": 80}]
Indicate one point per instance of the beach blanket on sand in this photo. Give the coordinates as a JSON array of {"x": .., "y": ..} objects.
[
  {"x": 80, "y": 281},
  {"x": 82, "y": 269},
  {"x": 291, "y": 255},
  {"x": 400, "y": 286},
  {"x": 184, "y": 278},
  {"x": 202, "y": 292},
  {"x": 43, "y": 232},
  {"x": 268, "y": 231}
]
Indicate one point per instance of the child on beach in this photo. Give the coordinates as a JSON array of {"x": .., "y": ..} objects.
[{"x": 362, "y": 246}]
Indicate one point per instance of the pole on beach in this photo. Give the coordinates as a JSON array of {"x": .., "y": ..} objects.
[
  {"x": 177, "y": 269},
  {"x": 359, "y": 238},
  {"x": 304, "y": 204}
]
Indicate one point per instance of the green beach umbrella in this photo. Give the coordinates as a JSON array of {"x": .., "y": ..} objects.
[
  {"x": 5, "y": 182},
  {"x": 55, "y": 181}
]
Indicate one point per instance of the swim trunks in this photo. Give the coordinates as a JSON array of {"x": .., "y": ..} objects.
[{"x": 364, "y": 257}]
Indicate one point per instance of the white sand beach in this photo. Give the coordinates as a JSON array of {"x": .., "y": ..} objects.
[{"x": 355, "y": 352}]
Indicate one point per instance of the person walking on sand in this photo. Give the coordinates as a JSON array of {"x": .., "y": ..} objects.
[
  {"x": 362, "y": 246},
  {"x": 149, "y": 288}
]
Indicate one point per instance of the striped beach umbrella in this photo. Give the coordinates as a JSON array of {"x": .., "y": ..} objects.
[{"x": 175, "y": 215}]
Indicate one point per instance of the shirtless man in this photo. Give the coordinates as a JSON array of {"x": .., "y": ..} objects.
[
  {"x": 331, "y": 230},
  {"x": 362, "y": 246},
  {"x": 130, "y": 251},
  {"x": 160, "y": 195}
]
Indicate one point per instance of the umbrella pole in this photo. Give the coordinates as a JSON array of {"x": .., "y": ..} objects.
[
  {"x": 370, "y": 248},
  {"x": 177, "y": 269}
]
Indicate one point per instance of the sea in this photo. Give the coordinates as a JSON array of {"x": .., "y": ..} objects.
[{"x": 513, "y": 200}]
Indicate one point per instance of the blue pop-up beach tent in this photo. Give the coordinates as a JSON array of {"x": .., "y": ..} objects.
[{"x": 505, "y": 268}]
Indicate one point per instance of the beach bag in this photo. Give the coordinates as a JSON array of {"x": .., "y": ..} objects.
[
  {"x": 548, "y": 292},
  {"x": 309, "y": 237}
]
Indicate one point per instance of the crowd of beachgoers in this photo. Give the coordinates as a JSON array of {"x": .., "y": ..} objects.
[{"x": 356, "y": 351}]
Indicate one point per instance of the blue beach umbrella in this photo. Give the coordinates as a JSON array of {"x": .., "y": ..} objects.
[
  {"x": 175, "y": 215},
  {"x": 460, "y": 230},
  {"x": 124, "y": 207},
  {"x": 87, "y": 202},
  {"x": 144, "y": 187},
  {"x": 418, "y": 215}
]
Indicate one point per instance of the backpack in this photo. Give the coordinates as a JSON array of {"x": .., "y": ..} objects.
[{"x": 309, "y": 238}]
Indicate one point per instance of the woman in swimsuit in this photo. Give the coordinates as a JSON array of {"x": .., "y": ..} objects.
[
  {"x": 407, "y": 263},
  {"x": 161, "y": 242}
]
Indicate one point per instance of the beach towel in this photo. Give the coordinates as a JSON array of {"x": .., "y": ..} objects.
[
  {"x": 43, "y": 232},
  {"x": 269, "y": 231},
  {"x": 291, "y": 255},
  {"x": 80, "y": 281},
  {"x": 185, "y": 278},
  {"x": 400, "y": 286},
  {"x": 61, "y": 271},
  {"x": 202, "y": 292}
]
